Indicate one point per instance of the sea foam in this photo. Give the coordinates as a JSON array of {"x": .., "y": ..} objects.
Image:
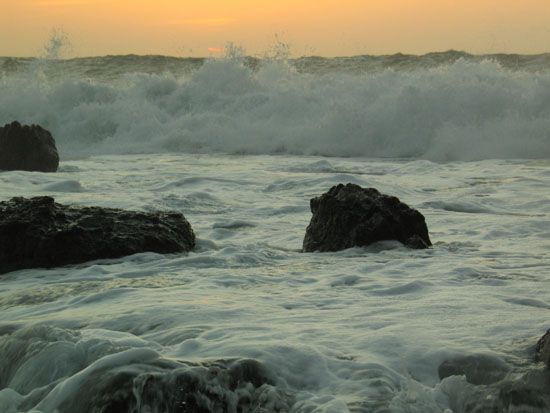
[{"x": 458, "y": 111}]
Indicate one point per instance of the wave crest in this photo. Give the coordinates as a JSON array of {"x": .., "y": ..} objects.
[{"x": 460, "y": 111}]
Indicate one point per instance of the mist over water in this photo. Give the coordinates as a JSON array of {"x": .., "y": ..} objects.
[{"x": 440, "y": 107}]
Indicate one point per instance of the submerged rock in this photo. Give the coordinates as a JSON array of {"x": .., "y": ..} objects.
[
  {"x": 543, "y": 349},
  {"x": 38, "y": 232},
  {"x": 349, "y": 216},
  {"x": 52, "y": 369},
  {"x": 477, "y": 369},
  {"x": 529, "y": 392},
  {"x": 27, "y": 148},
  {"x": 174, "y": 387},
  {"x": 485, "y": 383},
  {"x": 240, "y": 386}
]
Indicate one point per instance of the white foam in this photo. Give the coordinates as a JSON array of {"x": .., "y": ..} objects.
[
  {"x": 64, "y": 186},
  {"x": 365, "y": 329},
  {"x": 462, "y": 111},
  {"x": 71, "y": 386}
]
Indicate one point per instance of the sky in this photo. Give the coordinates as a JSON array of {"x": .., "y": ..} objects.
[{"x": 312, "y": 27}]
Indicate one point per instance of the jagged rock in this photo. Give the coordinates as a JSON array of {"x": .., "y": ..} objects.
[
  {"x": 349, "y": 216},
  {"x": 38, "y": 232},
  {"x": 543, "y": 349},
  {"x": 27, "y": 148}
]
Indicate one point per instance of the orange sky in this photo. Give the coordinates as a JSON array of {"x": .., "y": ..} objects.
[{"x": 321, "y": 27}]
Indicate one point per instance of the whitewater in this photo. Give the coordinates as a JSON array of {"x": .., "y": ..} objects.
[{"x": 247, "y": 322}]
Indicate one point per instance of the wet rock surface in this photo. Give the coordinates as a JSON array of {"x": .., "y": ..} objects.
[
  {"x": 174, "y": 387},
  {"x": 527, "y": 393},
  {"x": 482, "y": 383},
  {"x": 542, "y": 349},
  {"x": 349, "y": 216},
  {"x": 27, "y": 148},
  {"x": 477, "y": 369},
  {"x": 39, "y": 232},
  {"x": 79, "y": 373}
]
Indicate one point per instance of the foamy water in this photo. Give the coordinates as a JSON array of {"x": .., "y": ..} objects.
[
  {"x": 363, "y": 330},
  {"x": 466, "y": 110}
]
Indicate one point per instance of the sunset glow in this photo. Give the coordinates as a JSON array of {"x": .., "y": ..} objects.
[{"x": 323, "y": 27}]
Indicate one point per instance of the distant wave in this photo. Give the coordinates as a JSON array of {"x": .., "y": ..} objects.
[
  {"x": 113, "y": 67},
  {"x": 440, "y": 106}
]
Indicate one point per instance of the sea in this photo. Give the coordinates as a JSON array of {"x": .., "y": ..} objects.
[{"x": 248, "y": 322}]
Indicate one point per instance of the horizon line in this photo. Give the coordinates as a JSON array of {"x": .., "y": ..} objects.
[{"x": 257, "y": 56}]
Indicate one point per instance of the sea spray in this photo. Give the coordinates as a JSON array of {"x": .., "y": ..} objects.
[{"x": 459, "y": 111}]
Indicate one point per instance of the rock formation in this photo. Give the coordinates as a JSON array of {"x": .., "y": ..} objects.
[
  {"x": 38, "y": 232},
  {"x": 349, "y": 216},
  {"x": 27, "y": 148}
]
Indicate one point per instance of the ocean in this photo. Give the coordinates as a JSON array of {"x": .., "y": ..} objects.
[{"x": 247, "y": 322}]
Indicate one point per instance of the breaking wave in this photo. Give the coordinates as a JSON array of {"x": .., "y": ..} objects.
[{"x": 450, "y": 109}]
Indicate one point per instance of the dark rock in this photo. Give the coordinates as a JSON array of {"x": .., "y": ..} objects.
[
  {"x": 175, "y": 388},
  {"x": 38, "y": 232},
  {"x": 248, "y": 371},
  {"x": 349, "y": 216},
  {"x": 520, "y": 397},
  {"x": 543, "y": 349},
  {"x": 529, "y": 392},
  {"x": 27, "y": 148},
  {"x": 206, "y": 388},
  {"x": 478, "y": 369}
]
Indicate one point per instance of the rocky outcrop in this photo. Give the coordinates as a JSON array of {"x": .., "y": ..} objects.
[
  {"x": 542, "y": 349},
  {"x": 349, "y": 216},
  {"x": 27, "y": 148},
  {"x": 38, "y": 232}
]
